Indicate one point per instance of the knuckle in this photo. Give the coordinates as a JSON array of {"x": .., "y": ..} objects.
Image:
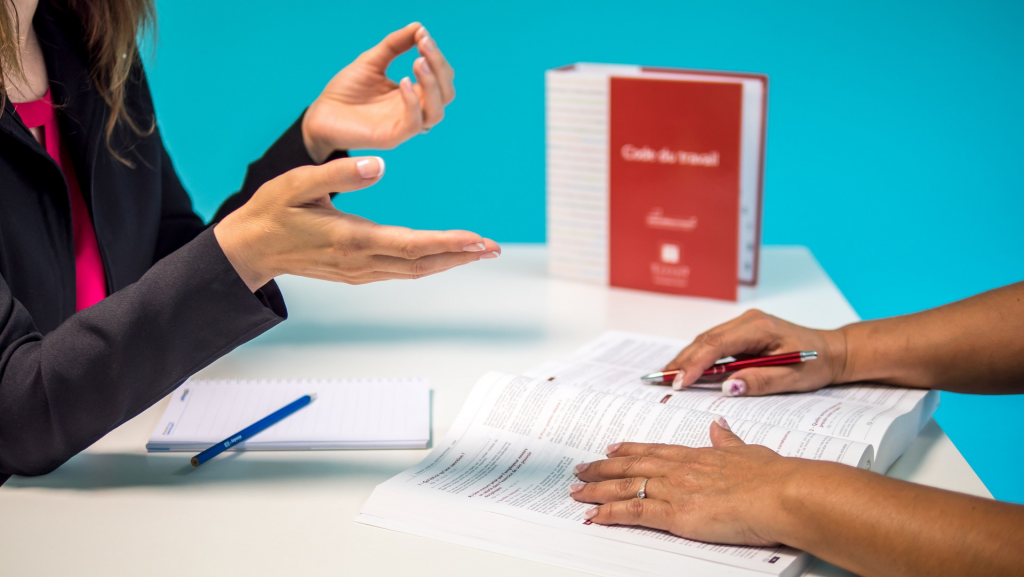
[
  {"x": 420, "y": 268},
  {"x": 407, "y": 250},
  {"x": 710, "y": 339},
  {"x": 635, "y": 509},
  {"x": 754, "y": 314},
  {"x": 654, "y": 450},
  {"x": 624, "y": 485},
  {"x": 632, "y": 462},
  {"x": 757, "y": 383},
  {"x": 344, "y": 246}
]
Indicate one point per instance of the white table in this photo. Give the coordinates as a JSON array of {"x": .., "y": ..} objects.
[{"x": 116, "y": 510}]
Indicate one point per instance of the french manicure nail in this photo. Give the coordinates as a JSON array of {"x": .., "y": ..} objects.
[
  {"x": 475, "y": 247},
  {"x": 581, "y": 467},
  {"x": 425, "y": 65},
  {"x": 721, "y": 422},
  {"x": 489, "y": 255},
  {"x": 576, "y": 487},
  {"x": 677, "y": 383},
  {"x": 590, "y": 513},
  {"x": 612, "y": 448},
  {"x": 427, "y": 45},
  {"x": 406, "y": 84},
  {"x": 734, "y": 387},
  {"x": 370, "y": 167}
]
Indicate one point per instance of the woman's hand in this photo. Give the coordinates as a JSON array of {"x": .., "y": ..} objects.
[
  {"x": 362, "y": 108},
  {"x": 757, "y": 333},
  {"x": 290, "y": 227},
  {"x": 731, "y": 493}
]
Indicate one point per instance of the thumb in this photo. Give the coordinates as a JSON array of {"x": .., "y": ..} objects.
[
  {"x": 392, "y": 46},
  {"x": 310, "y": 183},
  {"x": 722, "y": 435},
  {"x": 413, "y": 117},
  {"x": 762, "y": 381}
]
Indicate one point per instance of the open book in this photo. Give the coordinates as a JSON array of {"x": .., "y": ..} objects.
[{"x": 499, "y": 479}]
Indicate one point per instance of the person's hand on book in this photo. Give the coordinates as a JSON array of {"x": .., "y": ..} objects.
[
  {"x": 760, "y": 334},
  {"x": 729, "y": 493},
  {"x": 361, "y": 108},
  {"x": 290, "y": 227}
]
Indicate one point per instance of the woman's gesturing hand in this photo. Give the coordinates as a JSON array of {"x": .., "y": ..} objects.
[
  {"x": 362, "y": 108},
  {"x": 731, "y": 493},
  {"x": 290, "y": 227},
  {"x": 757, "y": 333}
]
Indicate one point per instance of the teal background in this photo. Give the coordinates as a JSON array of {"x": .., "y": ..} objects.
[{"x": 895, "y": 138}]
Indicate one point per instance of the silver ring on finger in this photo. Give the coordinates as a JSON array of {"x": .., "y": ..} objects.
[{"x": 642, "y": 493}]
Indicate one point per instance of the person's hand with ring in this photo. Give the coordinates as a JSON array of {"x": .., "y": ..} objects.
[
  {"x": 728, "y": 493},
  {"x": 361, "y": 108}
]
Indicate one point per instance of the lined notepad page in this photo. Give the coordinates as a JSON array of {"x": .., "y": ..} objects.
[{"x": 347, "y": 414}]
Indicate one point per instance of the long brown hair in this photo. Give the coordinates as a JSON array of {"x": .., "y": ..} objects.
[{"x": 112, "y": 30}]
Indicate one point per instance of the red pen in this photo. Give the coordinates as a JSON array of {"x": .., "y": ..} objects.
[{"x": 770, "y": 361}]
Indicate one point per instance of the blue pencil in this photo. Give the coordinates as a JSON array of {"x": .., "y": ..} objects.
[{"x": 252, "y": 429}]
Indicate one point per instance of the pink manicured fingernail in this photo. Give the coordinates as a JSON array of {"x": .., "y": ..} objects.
[
  {"x": 406, "y": 84},
  {"x": 590, "y": 513},
  {"x": 427, "y": 44},
  {"x": 721, "y": 422},
  {"x": 489, "y": 255},
  {"x": 677, "y": 383},
  {"x": 734, "y": 387},
  {"x": 475, "y": 247},
  {"x": 425, "y": 65},
  {"x": 576, "y": 487},
  {"x": 582, "y": 467},
  {"x": 370, "y": 167},
  {"x": 612, "y": 448}
]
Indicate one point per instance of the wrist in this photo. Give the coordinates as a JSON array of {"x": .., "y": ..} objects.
[
  {"x": 838, "y": 344},
  {"x": 794, "y": 521},
  {"x": 240, "y": 245},
  {"x": 316, "y": 147}
]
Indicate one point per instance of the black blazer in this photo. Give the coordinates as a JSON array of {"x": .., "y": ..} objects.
[{"x": 175, "y": 304}]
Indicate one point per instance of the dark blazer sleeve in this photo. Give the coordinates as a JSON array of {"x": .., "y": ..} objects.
[{"x": 61, "y": 392}]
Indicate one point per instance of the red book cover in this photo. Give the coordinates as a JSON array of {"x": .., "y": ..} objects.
[{"x": 674, "y": 177}]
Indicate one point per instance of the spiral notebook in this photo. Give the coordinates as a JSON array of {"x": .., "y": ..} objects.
[{"x": 347, "y": 414}]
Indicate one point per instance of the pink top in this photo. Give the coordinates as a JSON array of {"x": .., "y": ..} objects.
[{"x": 90, "y": 280}]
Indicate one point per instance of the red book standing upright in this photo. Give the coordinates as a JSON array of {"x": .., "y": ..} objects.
[{"x": 654, "y": 177}]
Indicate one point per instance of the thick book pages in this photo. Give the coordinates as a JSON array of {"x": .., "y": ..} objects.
[
  {"x": 347, "y": 414},
  {"x": 654, "y": 177},
  {"x": 499, "y": 479}
]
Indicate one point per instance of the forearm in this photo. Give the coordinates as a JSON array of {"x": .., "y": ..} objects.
[
  {"x": 62, "y": 391},
  {"x": 874, "y": 525},
  {"x": 972, "y": 346}
]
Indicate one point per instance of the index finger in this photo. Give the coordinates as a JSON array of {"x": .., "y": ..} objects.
[
  {"x": 734, "y": 337},
  {"x": 412, "y": 244},
  {"x": 445, "y": 74},
  {"x": 656, "y": 450},
  {"x": 621, "y": 467},
  {"x": 393, "y": 46}
]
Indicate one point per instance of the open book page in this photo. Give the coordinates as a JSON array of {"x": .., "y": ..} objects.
[
  {"x": 514, "y": 445},
  {"x": 888, "y": 418}
]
